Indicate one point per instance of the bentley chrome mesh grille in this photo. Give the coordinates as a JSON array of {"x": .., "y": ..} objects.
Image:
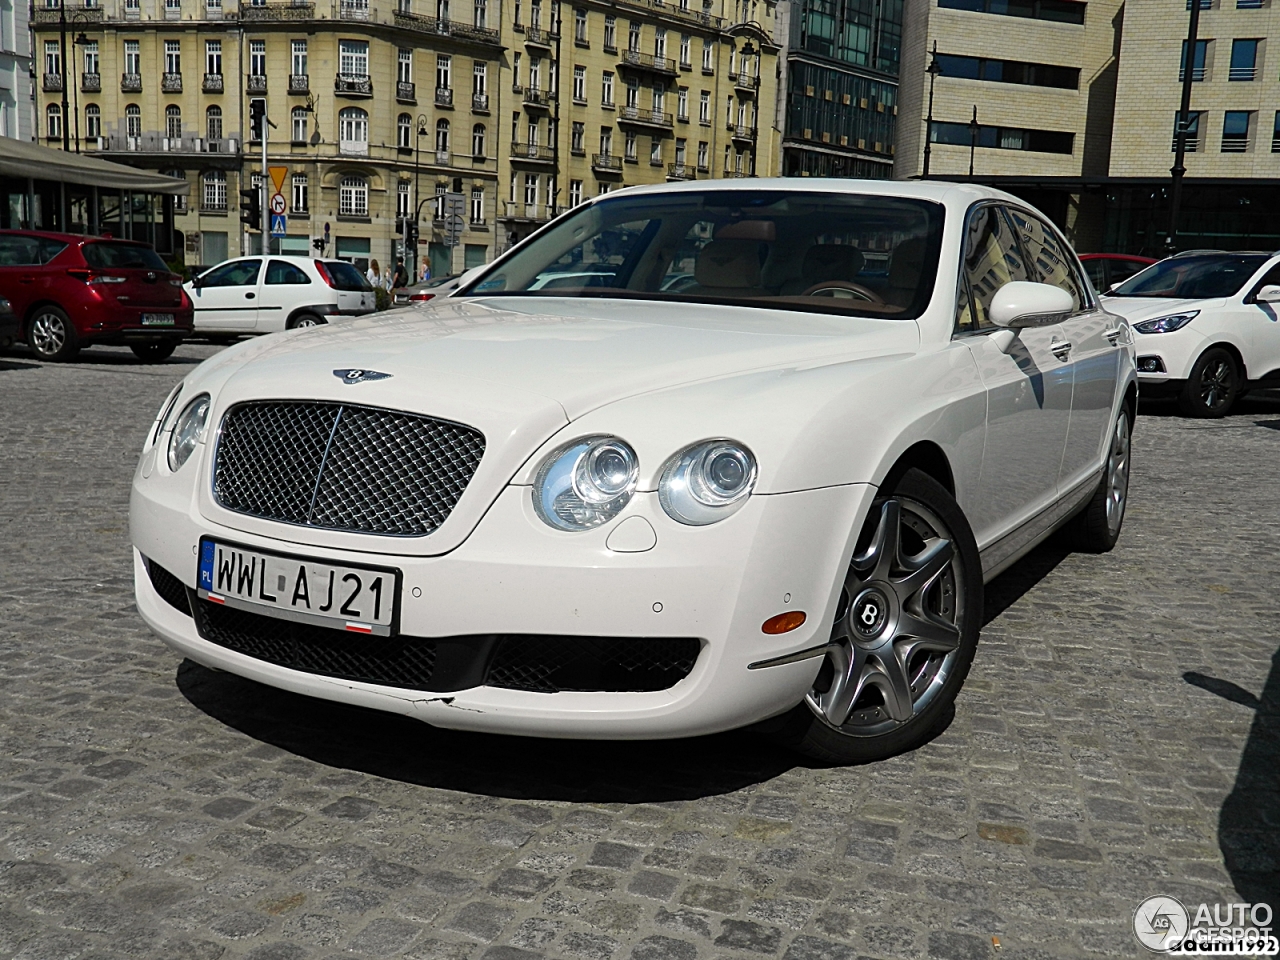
[{"x": 343, "y": 467}]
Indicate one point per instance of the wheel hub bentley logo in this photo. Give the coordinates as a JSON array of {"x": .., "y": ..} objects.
[
  {"x": 360, "y": 376},
  {"x": 870, "y": 610},
  {"x": 870, "y": 614}
]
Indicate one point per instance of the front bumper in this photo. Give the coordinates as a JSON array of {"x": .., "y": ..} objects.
[{"x": 513, "y": 575}]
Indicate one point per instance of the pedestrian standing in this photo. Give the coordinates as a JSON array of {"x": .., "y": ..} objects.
[
  {"x": 426, "y": 270},
  {"x": 374, "y": 274},
  {"x": 401, "y": 276}
]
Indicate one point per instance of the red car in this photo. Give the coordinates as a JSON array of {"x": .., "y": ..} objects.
[
  {"x": 70, "y": 291},
  {"x": 1105, "y": 270}
]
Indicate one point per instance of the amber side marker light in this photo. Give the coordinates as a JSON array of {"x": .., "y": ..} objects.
[{"x": 783, "y": 622}]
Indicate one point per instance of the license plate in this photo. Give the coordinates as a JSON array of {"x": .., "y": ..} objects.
[
  {"x": 157, "y": 319},
  {"x": 354, "y": 599}
]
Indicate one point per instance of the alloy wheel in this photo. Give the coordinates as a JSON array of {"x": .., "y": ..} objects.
[
  {"x": 898, "y": 625},
  {"x": 48, "y": 334},
  {"x": 1215, "y": 383},
  {"x": 1118, "y": 474}
]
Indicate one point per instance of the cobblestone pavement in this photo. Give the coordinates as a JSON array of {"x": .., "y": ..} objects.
[{"x": 152, "y": 808}]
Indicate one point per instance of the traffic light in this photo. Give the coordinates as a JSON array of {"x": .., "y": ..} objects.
[
  {"x": 251, "y": 208},
  {"x": 257, "y": 114}
]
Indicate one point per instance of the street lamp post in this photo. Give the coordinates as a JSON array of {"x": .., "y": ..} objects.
[
  {"x": 1179, "y": 167},
  {"x": 423, "y": 129},
  {"x": 933, "y": 70},
  {"x": 62, "y": 65},
  {"x": 974, "y": 129}
]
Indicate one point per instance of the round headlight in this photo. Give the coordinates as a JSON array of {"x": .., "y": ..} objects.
[
  {"x": 707, "y": 482},
  {"x": 585, "y": 483},
  {"x": 164, "y": 417},
  {"x": 188, "y": 430}
]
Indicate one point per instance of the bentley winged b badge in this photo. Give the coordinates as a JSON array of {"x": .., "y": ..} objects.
[{"x": 360, "y": 376}]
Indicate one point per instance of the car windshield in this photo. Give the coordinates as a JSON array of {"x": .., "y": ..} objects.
[
  {"x": 853, "y": 254},
  {"x": 107, "y": 253},
  {"x": 1194, "y": 278}
]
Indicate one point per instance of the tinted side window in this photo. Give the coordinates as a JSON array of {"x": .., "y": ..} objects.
[
  {"x": 991, "y": 259},
  {"x": 280, "y": 272},
  {"x": 51, "y": 248},
  {"x": 17, "y": 251},
  {"x": 238, "y": 273},
  {"x": 345, "y": 276},
  {"x": 1096, "y": 271},
  {"x": 1050, "y": 261}
]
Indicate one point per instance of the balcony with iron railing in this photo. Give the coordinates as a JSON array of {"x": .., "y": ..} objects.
[
  {"x": 606, "y": 163},
  {"x": 155, "y": 142},
  {"x": 90, "y": 83},
  {"x": 444, "y": 96},
  {"x": 528, "y": 212},
  {"x": 681, "y": 171},
  {"x": 1245, "y": 74},
  {"x": 734, "y": 175},
  {"x": 213, "y": 83},
  {"x": 742, "y": 131},
  {"x": 406, "y": 91},
  {"x": 278, "y": 11},
  {"x": 648, "y": 62},
  {"x": 353, "y": 85},
  {"x": 532, "y": 152},
  {"x": 171, "y": 83},
  {"x": 539, "y": 99},
  {"x": 746, "y": 83},
  {"x": 480, "y": 103},
  {"x": 51, "y": 83},
  {"x": 130, "y": 83},
  {"x": 1235, "y": 144},
  {"x": 436, "y": 27},
  {"x": 299, "y": 83},
  {"x": 77, "y": 13},
  {"x": 255, "y": 83},
  {"x": 648, "y": 118},
  {"x": 537, "y": 37}
]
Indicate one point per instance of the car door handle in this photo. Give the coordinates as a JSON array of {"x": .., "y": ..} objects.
[
  {"x": 1060, "y": 349},
  {"x": 1113, "y": 336},
  {"x": 27, "y": 278},
  {"x": 249, "y": 296}
]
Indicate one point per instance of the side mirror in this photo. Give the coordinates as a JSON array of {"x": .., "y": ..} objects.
[
  {"x": 1020, "y": 304},
  {"x": 195, "y": 283},
  {"x": 1268, "y": 294}
]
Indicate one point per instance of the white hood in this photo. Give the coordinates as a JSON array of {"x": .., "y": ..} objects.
[{"x": 1137, "y": 309}]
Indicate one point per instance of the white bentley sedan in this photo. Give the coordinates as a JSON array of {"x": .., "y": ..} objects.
[{"x": 624, "y": 507}]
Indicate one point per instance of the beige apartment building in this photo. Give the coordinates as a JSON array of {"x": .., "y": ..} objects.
[
  {"x": 1041, "y": 75},
  {"x": 380, "y": 106}
]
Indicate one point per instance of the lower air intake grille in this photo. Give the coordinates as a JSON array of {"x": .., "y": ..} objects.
[
  {"x": 169, "y": 587},
  {"x": 389, "y": 661},
  {"x": 606, "y": 664}
]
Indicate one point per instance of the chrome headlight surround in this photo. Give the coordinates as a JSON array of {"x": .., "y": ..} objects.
[
  {"x": 188, "y": 430},
  {"x": 163, "y": 418},
  {"x": 1175, "y": 321},
  {"x": 708, "y": 481},
  {"x": 585, "y": 483}
]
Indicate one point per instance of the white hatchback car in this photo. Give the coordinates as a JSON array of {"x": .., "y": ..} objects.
[
  {"x": 616, "y": 510},
  {"x": 268, "y": 294},
  {"x": 1208, "y": 325}
]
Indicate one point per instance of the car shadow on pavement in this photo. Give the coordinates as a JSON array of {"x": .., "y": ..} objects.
[
  {"x": 1249, "y": 822},
  {"x": 17, "y": 365},
  {"x": 526, "y": 768},
  {"x": 1258, "y": 401},
  {"x": 1008, "y": 588}
]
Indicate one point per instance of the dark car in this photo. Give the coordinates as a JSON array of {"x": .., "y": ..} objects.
[
  {"x": 70, "y": 291},
  {"x": 1105, "y": 270}
]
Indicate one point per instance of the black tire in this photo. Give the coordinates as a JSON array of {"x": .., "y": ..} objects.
[
  {"x": 953, "y": 596},
  {"x": 1096, "y": 528},
  {"x": 305, "y": 320},
  {"x": 1213, "y": 385},
  {"x": 51, "y": 336},
  {"x": 153, "y": 351}
]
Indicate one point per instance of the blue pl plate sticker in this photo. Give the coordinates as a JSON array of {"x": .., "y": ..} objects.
[{"x": 206, "y": 564}]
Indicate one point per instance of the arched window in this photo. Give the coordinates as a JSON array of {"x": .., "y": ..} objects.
[
  {"x": 299, "y": 124},
  {"x": 353, "y": 130},
  {"x": 404, "y": 126},
  {"x": 215, "y": 191},
  {"x": 133, "y": 120},
  {"x": 54, "y": 115},
  {"x": 477, "y": 140},
  {"x": 442, "y": 136},
  {"x": 353, "y": 196},
  {"x": 213, "y": 123},
  {"x": 173, "y": 122},
  {"x": 93, "y": 121}
]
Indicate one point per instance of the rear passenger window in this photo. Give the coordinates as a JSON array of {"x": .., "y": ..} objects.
[
  {"x": 1050, "y": 261},
  {"x": 19, "y": 251},
  {"x": 280, "y": 272}
]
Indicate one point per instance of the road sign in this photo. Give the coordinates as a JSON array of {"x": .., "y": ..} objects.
[
  {"x": 278, "y": 225},
  {"x": 277, "y": 178},
  {"x": 278, "y": 205},
  {"x": 453, "y": 227}
]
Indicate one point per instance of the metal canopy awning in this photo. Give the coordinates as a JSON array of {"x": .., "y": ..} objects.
[{"x": 21, "y": 159}]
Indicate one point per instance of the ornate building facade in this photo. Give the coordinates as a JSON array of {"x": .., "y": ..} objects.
[{"x": 378, "y": 107}]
